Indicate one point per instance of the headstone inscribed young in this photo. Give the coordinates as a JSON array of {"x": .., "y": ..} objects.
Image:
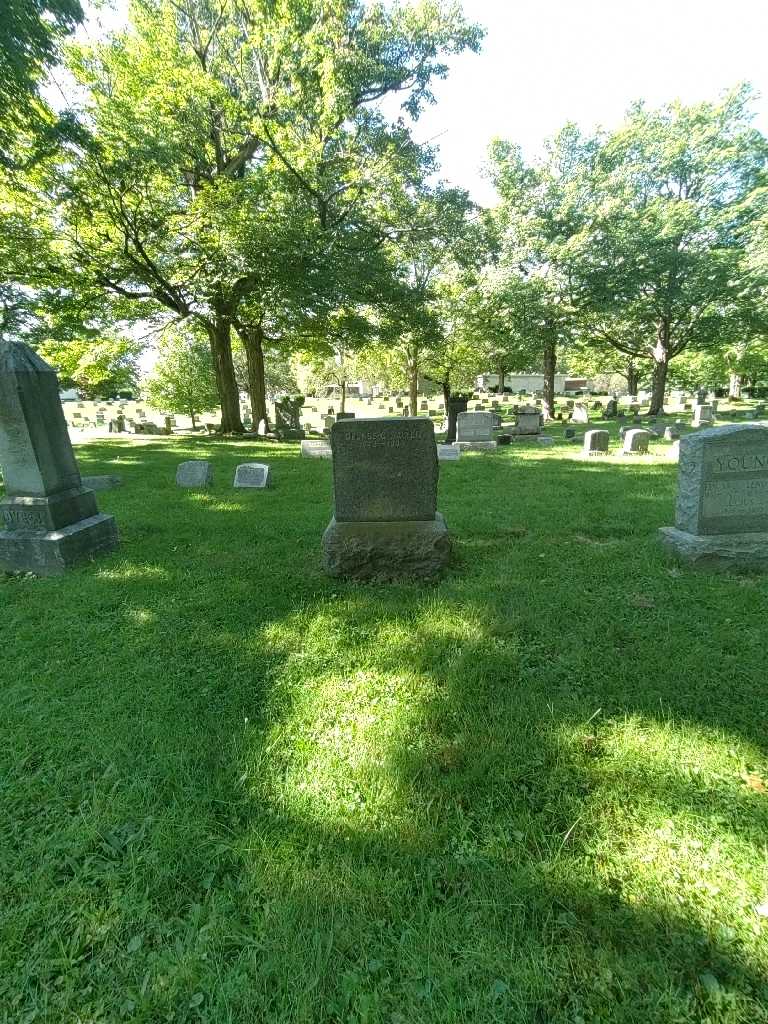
[
  {"x": 194, "y": 473},
  {"x": 385, "y": 523},
  {"x": 253, "y": 474},
  {"x": 596, "y": 442},
  {"x": 721, "y": 517},
  {"x": 51, "y": 521}
]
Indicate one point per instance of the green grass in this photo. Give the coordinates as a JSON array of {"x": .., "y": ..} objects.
[{"x": 233, "y": 790}]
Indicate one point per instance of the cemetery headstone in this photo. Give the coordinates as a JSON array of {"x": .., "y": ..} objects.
[
  {"x": 636, "y": 442},
  {"x": 580, "y": 414},
  {"x": 102, "y": 483},
  {"x": 456, "y": 405},
  {"x": 671, "y": 434},
  {"x": 253, "y": 474},
  {"x": 447, "y": 453},
  {"x": 474, "y": 431},
  {"x": 194, "y": 474},
  {"x": 703, "y": 415},
  {"x": 51, "y": 521},
  {"x": 569, "y": 433},
  {"x": 385, "y": 523},
  {"x": 288, "y": 418},
  {"x": 721, "y": 518},
  {"x": 596, "y": 442},
  {"x": 315, "y": 450}
]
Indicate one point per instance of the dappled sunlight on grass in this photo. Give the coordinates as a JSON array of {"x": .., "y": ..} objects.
[
  {"x": 529, "y": 792},
  {"x": 131, "y": 571}
]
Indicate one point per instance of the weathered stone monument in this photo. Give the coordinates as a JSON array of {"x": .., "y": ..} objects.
[
  {"x": 315, "y": 450},
  {"x": 580, "y": 414},
  {"x": 385, "y": 523},
  {"x": 194, "y": 474},
  {"x": 703, "y": 415},
  {"x": 256, "y": 475},
  {"x": 51, "y": 522},
  {"x": 474, "y": 431},
  {"x": 721, "y": 519},
  {"x": 636, "y": 442},
  {"x": 288, "y": 418},
  {"x": 527, "y": 422},
  {"x": 596, "y": 442}
]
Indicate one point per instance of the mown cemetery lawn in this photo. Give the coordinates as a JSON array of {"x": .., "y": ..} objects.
[{"x": 233, "y": 790}]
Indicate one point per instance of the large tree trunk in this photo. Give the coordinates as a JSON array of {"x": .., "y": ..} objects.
[
  {"x": 252, "y": 338},
  {"x": 220, "y": 336},
  {"x": 343, "y": 405},
  {"x": 550, "y": 362},
  {"x": 454, "y": 405},
  {"x": 633, "y": 378},
  {"x": 502, "y": 376},
  {"x": 735, "y": 384},
  {"x": 661, "y": 356},
  {"x": 413, "y": 382}
]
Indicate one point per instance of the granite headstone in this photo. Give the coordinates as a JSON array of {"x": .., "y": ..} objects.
[
  {"x": 722, "y": 504},
  {"x": 385, "y": 523},
  {"x": 51, "y": 521}
]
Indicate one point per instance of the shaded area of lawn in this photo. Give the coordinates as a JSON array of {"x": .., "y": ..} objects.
[{"x": 231, "y": 789}]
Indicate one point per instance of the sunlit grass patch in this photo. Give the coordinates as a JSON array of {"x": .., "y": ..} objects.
[{"x": 232, "y": 789}]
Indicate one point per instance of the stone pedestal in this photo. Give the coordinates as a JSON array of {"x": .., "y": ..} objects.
[
  {"x": 386, "y": 551},
  {"x": 51, "y": 521},
  {"x": 51, "y": 553},
  {"x": 717, "y": 551}
]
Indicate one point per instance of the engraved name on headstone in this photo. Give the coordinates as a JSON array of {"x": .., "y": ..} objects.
[
  {"x": 724, "y": 481},
  {"x": 722, "y": 503},
  {"x": 384, "y": 470},
  {"x": 474, "y": 426}
]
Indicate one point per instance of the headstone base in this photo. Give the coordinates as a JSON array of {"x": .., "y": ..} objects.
[
  {"x": 51, "y": 554},
  {"x": 717, "y": 551},
  {"x": 386, "y": 551},
  {"x": 474, "y": 446}
]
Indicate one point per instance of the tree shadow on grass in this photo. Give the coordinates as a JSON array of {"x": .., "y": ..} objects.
[{"x": 239, "y": 791}]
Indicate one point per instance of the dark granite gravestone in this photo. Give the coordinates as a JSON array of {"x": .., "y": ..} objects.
[
  {"x": 288, "y": 418},
  {"x": 456, "y": 404},
  {"x": 721, "y": 518},
  {"x": 51, "y": 521},
  {"x": 596, "y": 442},
  {"x": 385, "y": 524}
]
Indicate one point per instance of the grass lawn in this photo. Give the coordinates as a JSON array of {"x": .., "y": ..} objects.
[{"x": 233, "y": 790}]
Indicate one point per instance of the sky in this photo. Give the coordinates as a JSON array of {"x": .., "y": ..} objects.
[{"x": 546, "y": 62}]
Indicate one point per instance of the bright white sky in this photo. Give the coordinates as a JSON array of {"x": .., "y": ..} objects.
[{"x": 546, "y": 62}]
